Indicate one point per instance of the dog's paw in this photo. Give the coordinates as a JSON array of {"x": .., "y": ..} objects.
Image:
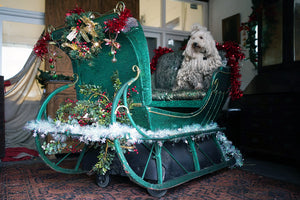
[{"x": 199, "y": 86}]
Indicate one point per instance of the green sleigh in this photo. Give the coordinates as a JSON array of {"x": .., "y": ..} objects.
[{"x": 197, "y": 145}]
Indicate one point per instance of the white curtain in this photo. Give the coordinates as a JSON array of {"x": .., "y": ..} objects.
[{"x": 22, "y": 102}]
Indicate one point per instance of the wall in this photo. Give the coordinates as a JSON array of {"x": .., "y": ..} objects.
[
  {"x": 31, "y": 5},
  {"x": 220, "y": 9}
]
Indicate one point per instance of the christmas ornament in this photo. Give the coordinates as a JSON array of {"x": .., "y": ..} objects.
[{"x": 114, "y": 27}]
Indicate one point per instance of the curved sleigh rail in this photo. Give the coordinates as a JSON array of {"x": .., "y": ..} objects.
[
  {"x": 157, "y": 151},
  {"x": 55, "y": 164}
]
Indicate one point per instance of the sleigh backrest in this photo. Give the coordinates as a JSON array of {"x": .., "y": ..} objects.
[{"x": 99, "y": 70}]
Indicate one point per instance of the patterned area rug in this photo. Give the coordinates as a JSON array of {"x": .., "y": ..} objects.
[{"x": 35, "y": 180}]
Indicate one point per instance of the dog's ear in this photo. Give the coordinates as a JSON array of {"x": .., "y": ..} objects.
[{"x": 198, "y": 27}]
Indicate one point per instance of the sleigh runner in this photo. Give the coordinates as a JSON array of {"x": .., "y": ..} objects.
[{"x": 163, "y": 143}]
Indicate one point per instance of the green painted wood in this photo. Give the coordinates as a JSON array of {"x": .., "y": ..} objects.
[
  {"x": 194, "y": 153},
  {"x": 152, "y": 115},
  {"x": 170, "y": 183},
  {"x": 158, "y": 163},
  {"x": 54, "y": 164}
]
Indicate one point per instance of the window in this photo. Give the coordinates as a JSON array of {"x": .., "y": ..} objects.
[
  {"x": 19, "y": 31},
  {"x": 168, "y": 23},
  {"x": 272, "y": 30}
]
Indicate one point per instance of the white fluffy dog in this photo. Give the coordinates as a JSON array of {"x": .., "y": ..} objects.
[{"x": 201, "y": 58}]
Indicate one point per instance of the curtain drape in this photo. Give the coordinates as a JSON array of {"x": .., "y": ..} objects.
[{"x": 22, "y": 102}]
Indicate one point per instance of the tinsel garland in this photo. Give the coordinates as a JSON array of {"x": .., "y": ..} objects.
[
  {"x": 94, "y": 133},
  {"x": 229, "y": 150},
  {"x": 233, "y": 55},
  {"x": 158, "y": 53},
  {"x": 98, "y": 133},
  {"x": 116, "y": 25}
]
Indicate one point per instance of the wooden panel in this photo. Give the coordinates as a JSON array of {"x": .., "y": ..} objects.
[
  {"x": 56, "y": 9},
  {"x": 63, "y": 62}
]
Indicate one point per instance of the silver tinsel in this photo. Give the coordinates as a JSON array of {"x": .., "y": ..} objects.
[
  {"x": 229, "y": 150},
  {"x": 97, "y": 133}
]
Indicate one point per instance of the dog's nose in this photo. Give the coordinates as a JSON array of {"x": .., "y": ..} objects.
[{"x": 195, "y": 44}]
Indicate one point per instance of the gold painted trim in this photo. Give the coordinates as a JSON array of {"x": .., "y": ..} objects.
[
  {"x": 122, "y": 106},
  {"x": 76, "y": 78},
  {"x": 136, "y": 69}
]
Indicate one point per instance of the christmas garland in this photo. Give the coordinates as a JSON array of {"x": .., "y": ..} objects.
[
  {"x": 45, "y": 76},
  {"x": 233, "y": 55},
  {"x": 158, "y": 53},
  {"x": 249, "y": 29},
  {"x": 265, "y": 9}
]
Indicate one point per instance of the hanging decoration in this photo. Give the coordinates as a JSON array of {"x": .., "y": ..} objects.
[
  {"x": 114, "y": 27},
  {"x": 233, "y": 55},
  {"x": 44, "y": 51},
  {"x": 158, "y": 53},
  {"x": 41, "y": 47}
]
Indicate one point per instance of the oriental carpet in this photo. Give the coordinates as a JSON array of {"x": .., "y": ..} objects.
[{"x": 36, "y": 181}]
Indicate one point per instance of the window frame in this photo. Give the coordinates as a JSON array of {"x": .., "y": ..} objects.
[
  {"x": 163, "y": 34},
  {"x": 21, "y": 16}
]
